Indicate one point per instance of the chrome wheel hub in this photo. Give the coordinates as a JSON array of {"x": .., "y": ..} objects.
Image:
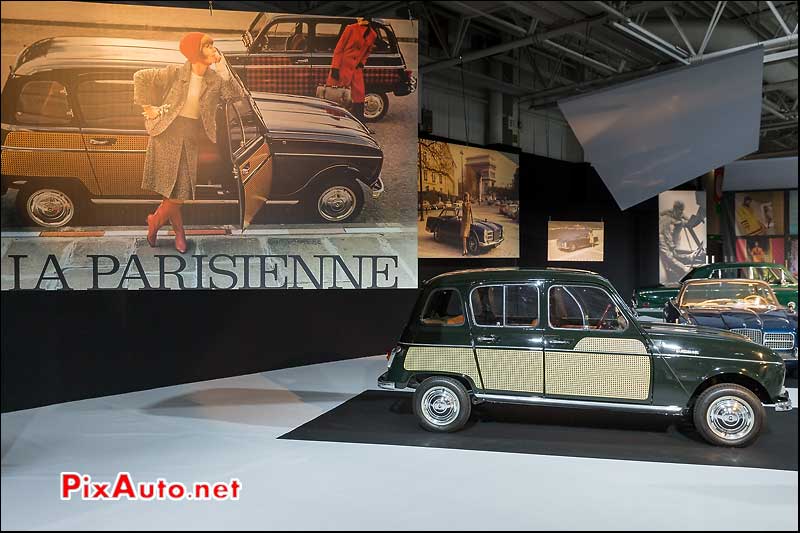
[
  {"x": 337, "y": 203},
  {"x": 50, "y": 208},
  {"x": 373, "y": 106},
  {"x": 730, "y": 418},
  {"x": 440, "y": 406}
]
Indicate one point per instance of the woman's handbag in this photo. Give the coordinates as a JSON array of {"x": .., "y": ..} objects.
[{"x": 340, "y": 95}]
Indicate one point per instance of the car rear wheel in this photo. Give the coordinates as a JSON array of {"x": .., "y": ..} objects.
[
  {"x": 728, "y": 415},
  {"x": 50, "y": 206},
  {"x": 376, "y": 105},
  {"x": 442, "y": 404},
  {"x": 339, "y": 200}
]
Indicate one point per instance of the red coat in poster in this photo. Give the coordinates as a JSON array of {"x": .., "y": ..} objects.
[{"x": 352, "y": 50}]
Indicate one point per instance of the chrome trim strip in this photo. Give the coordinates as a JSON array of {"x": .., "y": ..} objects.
[
  {"x": 117, "y": 151},
  {"x": 46, "y": 129},
  {"x": 436, "y": 345},
  {"x": 560, "y": 350},
  {"x": 328, "y": 155},
  {"x": 122, "y": 201},
  {"x": 517, "y": 348},
  {"x": 31, "y": 149},
  {"x": 538, "y": 400},
  {"x": 281, "y": 202},
  {"x": 717, "y": 358}
]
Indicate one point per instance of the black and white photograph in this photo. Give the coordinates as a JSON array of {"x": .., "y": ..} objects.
[{"x": 681, "y": 233}]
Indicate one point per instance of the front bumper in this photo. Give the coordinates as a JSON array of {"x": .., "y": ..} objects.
[
  {"x": 782, "y": 403},
  {"x": 491, "y": 244},
  {"x": 377, "y": 188}
]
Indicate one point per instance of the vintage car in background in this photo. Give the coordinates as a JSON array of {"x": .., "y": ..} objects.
[
  {"x": 650, "y": 301},
  {"x": 72, "y": 138},
  {"x": 446, "y": 227},
  {"x": 571, "y": 239},
  {"x": 560, "y": 337},
  {"x": 746, "y": 307},
  {"x": 292, "y": 54}
]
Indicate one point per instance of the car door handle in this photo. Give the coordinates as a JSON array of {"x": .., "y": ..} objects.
[
  {"x": 246, "y": 168},
  {"x": 301, "y": 61},
  {"x": 487, "y": 338},
  {"x": 557, "y": 342},
  {"x": 102, "y": 142}
]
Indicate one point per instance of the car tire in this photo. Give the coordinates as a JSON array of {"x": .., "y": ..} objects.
[
  {"x": 376, "y": 105},
  {"x": 51, "y": 206},
  {"x": 442, "y": 404},
  {"x": 728, "y": 415},
  {"x": 472, "y": 244},
  {"x": 337, "y": 201}
]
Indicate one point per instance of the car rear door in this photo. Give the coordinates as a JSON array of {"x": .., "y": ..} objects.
[
  {"x": 593, "y": 350},
  {"x": 326, "y": 36},
  {"x": 508, "y": 337},
  {"x": 251, "y": 157}
]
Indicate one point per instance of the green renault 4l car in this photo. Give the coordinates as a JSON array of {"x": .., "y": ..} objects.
[
  {"x": 650, "y": 301},
  {"x": 565, "y": 338}
]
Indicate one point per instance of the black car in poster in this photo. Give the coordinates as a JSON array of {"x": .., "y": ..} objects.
[
  {"x": 72, "y": 138},
  {"x": 446, "y": 226}
]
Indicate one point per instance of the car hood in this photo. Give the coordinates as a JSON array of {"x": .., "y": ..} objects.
[
  {"x": 304, "y": 118},
  {"x": 486, "y": 224},
  {"x": 698, "y": 341},
  {"x": 775, "y": 320}
]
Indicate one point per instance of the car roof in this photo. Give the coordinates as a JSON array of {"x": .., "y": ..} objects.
[
  {"x": 72, "y": 52},
  {"x": 717, "y": 281},
  {"x": 513, "y": 274},
  {"x": 297, "y": 16}
]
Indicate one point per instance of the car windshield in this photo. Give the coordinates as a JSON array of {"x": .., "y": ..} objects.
[{"x": 735, "y": 294}]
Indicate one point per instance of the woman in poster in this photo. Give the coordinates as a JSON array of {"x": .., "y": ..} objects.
[
  {"x": 347, "y": 67},
  {"x": 466, "y": 222},
  {"x": 179, "y": 104}
]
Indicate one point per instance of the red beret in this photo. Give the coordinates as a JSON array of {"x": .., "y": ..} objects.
[{"x": 190, "y": 46}]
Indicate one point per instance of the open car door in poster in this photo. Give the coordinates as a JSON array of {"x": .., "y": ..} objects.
[
  {"x": 681, "y": 233},
  {"x": 142, "y": 159},
  {"x": 468, "y": 201}
]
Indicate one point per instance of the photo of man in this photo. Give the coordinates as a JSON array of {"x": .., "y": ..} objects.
[
  {"x": 760, "y": 250},
  {"x": 759, "y": 213},
  {"x": 681, "y": 233}
]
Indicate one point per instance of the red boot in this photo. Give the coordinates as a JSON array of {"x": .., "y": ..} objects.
[
  {"x": 176, "y": 219},
  {"x": 155, "y": 221}
]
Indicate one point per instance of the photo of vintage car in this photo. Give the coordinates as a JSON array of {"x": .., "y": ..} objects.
[
  {"x": 446, "y": 227},
  {"x": 576, "y": 239},
  {"x": 72, "y": 138},
  {"x": 746, "y": 307},
  {"x": 650, "y": 301},
  {"x": 292, "y": 54},
  {"x": 557, "y": 337}
]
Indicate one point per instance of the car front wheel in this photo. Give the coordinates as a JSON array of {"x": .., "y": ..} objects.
[
  {"x": 442, "y": 404},
  {"x": 376, "y": 105},
  {"x": 728, "y": 415},
  {"x": 338, "y": 200},
  {"x": 51, "y": 206},
  {"x": 472, "y": 244}
]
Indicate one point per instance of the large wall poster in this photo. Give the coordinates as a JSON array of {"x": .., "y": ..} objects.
[
  {"x": 791, "y": 255},
  {"x": 452, "y": 176},
  {"x": 760, "y": 249},
  {"x": 681, "y": 233},
  {"x": 793, "y": 212},
  {"x": 759, "y": 213},
  {"x": 325, "y": 200},
  {"x": 575, "y": 241}
]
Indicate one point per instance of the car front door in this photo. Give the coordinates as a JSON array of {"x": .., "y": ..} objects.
[
  {"x": 593, "y": 350},
  {"x": 281, "y": 60},
  {"x": 251, "y": 157},
  {"x": 508, "y": 337}
]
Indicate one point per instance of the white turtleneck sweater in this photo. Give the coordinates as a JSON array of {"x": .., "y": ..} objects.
[{"x": 191, "y": 107}]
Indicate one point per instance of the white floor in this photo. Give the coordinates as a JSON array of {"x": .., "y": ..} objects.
[{"x": 217, "y": 430}]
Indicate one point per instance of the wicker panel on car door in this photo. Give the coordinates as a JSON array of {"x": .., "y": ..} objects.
[
  {"x": 512, "y": 370},
  {"x": 455, "y": 360}
]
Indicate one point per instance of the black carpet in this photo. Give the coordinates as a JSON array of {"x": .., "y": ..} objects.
[{"x": 384, "y": 417}]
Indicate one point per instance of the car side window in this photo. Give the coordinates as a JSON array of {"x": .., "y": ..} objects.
[
  {"x": 287, "y": 36},
  {"x": 43, "y": 102},
  {"x": 383, "y": 43},
  {"x": 522, "y": 305},
  {"x": 326, "y": 35},
  {"x": 444, "y": 308},
  {"x": 108, "y": 103},
  {"x": 243, "y": 123},
  {"x": 583, "y": 307},
  {"x": 487, "y": 305}
]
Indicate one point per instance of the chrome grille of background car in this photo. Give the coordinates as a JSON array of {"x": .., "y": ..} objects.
[
  {"x": 755, "y": 335},
  {"x": 779, "y": 341},
  {"x": 489, "y": 234}
]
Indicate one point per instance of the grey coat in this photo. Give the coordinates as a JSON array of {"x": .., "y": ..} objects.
[{"x": 170, "y": 85}]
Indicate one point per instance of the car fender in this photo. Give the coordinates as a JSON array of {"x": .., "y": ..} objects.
[{"x": 330, "y": 172}]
